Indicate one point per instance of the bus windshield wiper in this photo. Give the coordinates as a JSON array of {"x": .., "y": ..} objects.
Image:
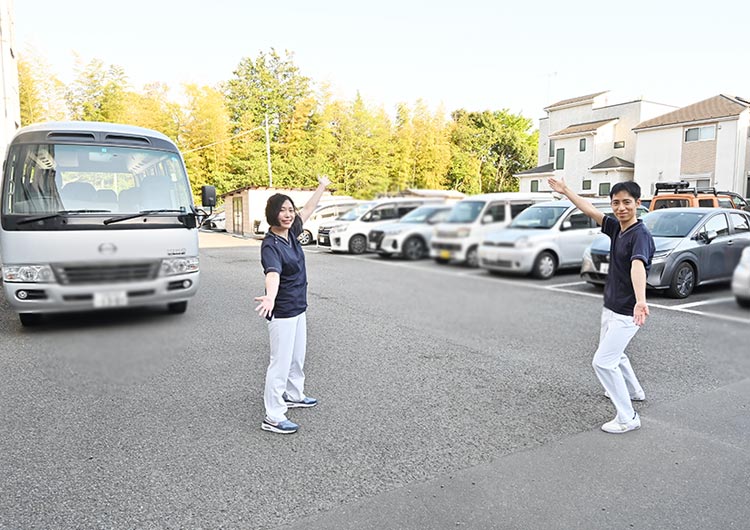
[
  {"x": 57, "y": 214},
  {"x": 139, "y": 214}
]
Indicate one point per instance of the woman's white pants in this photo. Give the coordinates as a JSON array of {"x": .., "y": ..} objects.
[
  {"x": 288, "y": 338},
  {"x": 612, "y": 366}
]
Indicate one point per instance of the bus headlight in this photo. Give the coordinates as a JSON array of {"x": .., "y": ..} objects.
[
  {"x": 28, "y": 273},
  {"x": 172, "y": 266}
]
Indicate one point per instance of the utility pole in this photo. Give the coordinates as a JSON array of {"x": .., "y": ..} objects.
[{"x": 268, "y": 154}]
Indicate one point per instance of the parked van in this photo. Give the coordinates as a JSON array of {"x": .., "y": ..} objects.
[
  {"x": 682, "y": 195},
  {"x": 458, "y": 237},
  {"x": 97, "y": 215},
  {"x": 349, "y": 234},
  {"x": 327, "y": 210}
]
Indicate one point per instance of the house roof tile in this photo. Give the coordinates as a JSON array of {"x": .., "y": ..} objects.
[
  {"x": 579, "y": 128},
  {"x": 546, "y": 168},
  {"x": 571, "y": 101},
  {"x": 720, "y": 106},
  {"x": 614, "y": 162}
]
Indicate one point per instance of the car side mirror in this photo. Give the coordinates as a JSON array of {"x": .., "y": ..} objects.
[
  {"x": 710, "y": 236},
  {"x": 208, "y": 196},
  {"x": 567, "y": 225}
]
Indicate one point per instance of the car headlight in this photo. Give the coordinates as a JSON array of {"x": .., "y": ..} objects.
[
  {"x": 28, "y": 273},
  {"x": 172, "y": 266},
  {"x": 339, "y": 228},
  {"x": 393, "y": 231},
  {"x": 661, "y": 255},
  {"x": 463, "y": 232},
  {"x": 523, "y": 242}
]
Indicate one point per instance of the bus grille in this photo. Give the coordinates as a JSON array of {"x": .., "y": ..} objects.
[{"x": 120, "y": 273}]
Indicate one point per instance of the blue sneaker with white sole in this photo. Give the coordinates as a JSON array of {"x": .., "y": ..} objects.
[
  {"x": 281, "y": 427},
  {"x": 304, "y": 404}
]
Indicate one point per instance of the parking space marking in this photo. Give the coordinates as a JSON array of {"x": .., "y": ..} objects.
[
  {"x": 705, "y": 302},
  {"x": 484, "y": 276}
]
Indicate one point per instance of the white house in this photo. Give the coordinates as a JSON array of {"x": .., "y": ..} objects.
[
  {"x": 589, "y": 141},
  {"x": 706, "y": 143}
]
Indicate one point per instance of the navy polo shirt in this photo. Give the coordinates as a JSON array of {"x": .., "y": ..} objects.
[
  {"x": 286, "y": 257},
  {"x": 634, "y": 243}
]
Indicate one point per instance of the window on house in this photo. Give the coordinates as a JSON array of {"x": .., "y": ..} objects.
[
  {"x": 534, "y": 185},
  {"x": 619, "y": 145},
  {"x": 604, "y": 189},
  {"x": 700, "y": 134},
  {"x": 582, "y": 144},
  {"x": 551, "y": 148},
  {"x": 586, "y": 185},
  {"x": 560, "y": 159}
]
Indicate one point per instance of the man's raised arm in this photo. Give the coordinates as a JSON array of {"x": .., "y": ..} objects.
[{"x": 585, "y": 206}]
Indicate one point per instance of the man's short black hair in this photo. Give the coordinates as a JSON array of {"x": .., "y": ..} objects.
[
  {"x": 629, "y": 187},
  {"x": 273, "y": 207}
]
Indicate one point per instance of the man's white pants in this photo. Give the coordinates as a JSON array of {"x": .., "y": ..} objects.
[
  {"x": 288, "y": 338},
  {"x": 612, "y": 366}
]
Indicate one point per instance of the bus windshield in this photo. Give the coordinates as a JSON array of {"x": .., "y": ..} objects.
[{"x": 88, "y": 179}]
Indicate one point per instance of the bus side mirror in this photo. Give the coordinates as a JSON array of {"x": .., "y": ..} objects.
[{"x": 208, "y": 196}]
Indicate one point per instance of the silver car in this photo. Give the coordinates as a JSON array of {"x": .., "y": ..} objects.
[
  {"x": 410, "y": 237},
  {"x": 741, "y": 280},
  {"x": 694, "y": 246},
  {"x": 540, "y": 240}
]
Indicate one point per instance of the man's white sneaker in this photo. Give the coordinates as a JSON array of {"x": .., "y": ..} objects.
[
  {"x": 635, "y": 397},
  {"x": 616, "y": 427}
]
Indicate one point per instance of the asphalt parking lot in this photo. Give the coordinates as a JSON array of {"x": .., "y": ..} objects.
[{"x": 448, "y": 398}]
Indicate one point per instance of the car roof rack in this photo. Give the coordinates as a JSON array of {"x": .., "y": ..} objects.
[{"x": 682, "y": 186}]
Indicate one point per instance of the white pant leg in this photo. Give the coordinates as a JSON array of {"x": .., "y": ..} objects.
[
  {"x": 295, "y": 385},
  {"x": 282, "y": 333},
  {"x": 616, "y": 333},
  {"x": 631, "y": 381}
]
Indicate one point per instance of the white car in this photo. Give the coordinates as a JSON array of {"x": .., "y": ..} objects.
[
  {"x": 326, "y": 211},
  {"x": 216, "y": 221},
  {"x": 542, "y": 239},
  {"x": 410, "y": 237},
  {"x": 459, "y": 236},
  {"x": 741, "y": 280},
  {"x": 350, "y": 235}
]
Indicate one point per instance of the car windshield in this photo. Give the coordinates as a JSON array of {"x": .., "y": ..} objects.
[
  {"x": 420, "y": 215},
  {"x": 671, "y": 222},
  {"x": 465, "y": 212},
  {"x": 538, "y": 217},
  {"x": 51, "y": 179},
  {"x": 354, "y": 214}
]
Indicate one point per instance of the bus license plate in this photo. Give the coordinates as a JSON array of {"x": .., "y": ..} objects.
[{"x": 111, "y": 299}]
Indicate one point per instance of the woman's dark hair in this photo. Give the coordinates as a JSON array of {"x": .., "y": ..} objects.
[{"x": 273, "y": 207}]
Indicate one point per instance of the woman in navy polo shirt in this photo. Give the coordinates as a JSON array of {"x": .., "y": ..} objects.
[{"x": 284, "y": 305}]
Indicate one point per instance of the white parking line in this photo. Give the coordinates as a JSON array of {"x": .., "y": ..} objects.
[
  {"x": 705, "y": 302},
  {"x": 484, "y": 276}
]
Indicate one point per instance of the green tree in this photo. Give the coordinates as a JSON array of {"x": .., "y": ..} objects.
[
  {"x": 41, "y": 93},
  {"x": 98, "y": 93},
  {"x": 152, "y": 109}
]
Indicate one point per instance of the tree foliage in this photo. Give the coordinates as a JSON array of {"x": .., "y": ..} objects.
[{"x": 222, "y": 130}]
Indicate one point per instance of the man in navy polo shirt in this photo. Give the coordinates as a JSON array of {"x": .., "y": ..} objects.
[{"x": 625, "y": 309}]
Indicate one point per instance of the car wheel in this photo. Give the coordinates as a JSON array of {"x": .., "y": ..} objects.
[
  {"x": 357, "y": 244},
  {"x": 414, "y": 248},
  {"x": 305, "y": 238},
  {"x": 30, "y": 319},
  {"x": 743, "y": 302},
  {"x": 683, "y": 281},
  {"x": 472, "y": 257},
  {"x": 177, "y": 308},
  {"x": 545, "y": 266}
]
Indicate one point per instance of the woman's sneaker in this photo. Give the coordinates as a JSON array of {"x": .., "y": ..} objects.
[
  {"x": 305, "y": 403},
  {"x": 616, "y": 427},
  {"x": 282, "y": 427}
]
